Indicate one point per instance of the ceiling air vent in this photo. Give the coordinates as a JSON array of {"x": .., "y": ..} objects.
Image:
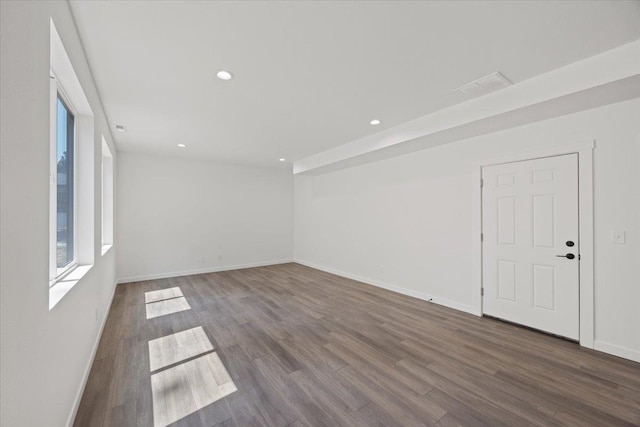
[{"x": 484, "y": 85}]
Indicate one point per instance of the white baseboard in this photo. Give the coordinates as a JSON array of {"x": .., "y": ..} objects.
[
  {"x": 87, "y": 371},
  {"x": 625, "y": 353},
  {"x": 398, "y": 289},
  {"x": 200, "y": 271}
]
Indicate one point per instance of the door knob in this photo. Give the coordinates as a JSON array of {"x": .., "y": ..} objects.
[{"x": 568, "y": 256}]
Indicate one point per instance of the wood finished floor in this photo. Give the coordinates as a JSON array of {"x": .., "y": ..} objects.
[{"x": 308, "y": 348}]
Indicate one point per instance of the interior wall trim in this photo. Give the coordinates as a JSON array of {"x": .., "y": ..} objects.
[
  {"x": 585, "y": 151},
  {"x": 398, "y": 289},
  {"x": 168, "y": 275},
  {"x": 87, "y": 370},
  {"x": 617, "y": 350}
]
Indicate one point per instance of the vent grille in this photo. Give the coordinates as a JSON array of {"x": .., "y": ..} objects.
[{"x": 486, "y": 84}]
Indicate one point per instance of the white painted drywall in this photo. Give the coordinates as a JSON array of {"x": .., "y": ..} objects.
[
  {"x": 175, "y": 211},
  {"x": 405, "y": 222},
  {"x": 44, "y": 354},
  {"x": 611, "y": 76}
]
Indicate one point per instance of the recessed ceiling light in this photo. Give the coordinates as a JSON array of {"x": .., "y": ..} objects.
[
  {"x": 375, "y": 122},
  {"x": 282, "y": 160},
  {"x": 224, "y": 75},
  {"x": 182, "y": 145},
  {"x": 120, "y": 128}
]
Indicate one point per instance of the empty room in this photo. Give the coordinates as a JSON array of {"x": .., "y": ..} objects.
[{"x": 319, "y": 213}]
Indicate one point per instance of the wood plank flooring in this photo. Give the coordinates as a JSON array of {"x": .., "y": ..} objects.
[{"x": 307, "y": 348}]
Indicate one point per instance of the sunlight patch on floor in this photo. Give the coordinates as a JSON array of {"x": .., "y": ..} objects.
[
  {"x": 161, "y": 308},
  {"x": 188, "y": 387},
  {"x": 178, "y": 347},
  {"x": 186, "y": 374},
  {"x": 162, "y": 294}
]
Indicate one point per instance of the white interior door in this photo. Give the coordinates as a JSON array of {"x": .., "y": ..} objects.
[{"x": 530, "y": 243}]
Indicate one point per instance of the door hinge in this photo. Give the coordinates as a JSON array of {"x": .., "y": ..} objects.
[
  {"x": 481, "y": 291},
  {"x": 482, "y": 237},
  {"x": 481, "y": 182}
]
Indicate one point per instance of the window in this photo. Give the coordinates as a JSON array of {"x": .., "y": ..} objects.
[
  {"x": 72, "y": 178},
  {"x": 64, "y": 178},
  {"x": 107, "y": 197}
]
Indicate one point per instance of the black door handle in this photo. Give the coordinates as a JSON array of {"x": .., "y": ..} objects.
[{"x": 568, "y": 256}]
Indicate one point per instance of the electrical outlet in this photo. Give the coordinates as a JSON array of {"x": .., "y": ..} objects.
[{"x": 618, "y": 237}]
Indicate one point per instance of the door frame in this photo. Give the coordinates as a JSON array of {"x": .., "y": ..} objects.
[{"x": 584, "y": 151}]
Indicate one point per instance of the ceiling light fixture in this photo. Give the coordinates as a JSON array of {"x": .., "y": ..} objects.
[
  {"x": 120, "y": 128},
  {"x": 182, "y": 145},
  {"x": 224, "y": 75},
  {"x": 375, "y": 122},
  {"x": 282, "y": 160}
]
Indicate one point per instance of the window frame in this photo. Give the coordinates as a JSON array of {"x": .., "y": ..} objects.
[
  {"x": 107, "y": 196},
  {"x": 64, "y": 80},
  {"x": 57, "y": 92}
]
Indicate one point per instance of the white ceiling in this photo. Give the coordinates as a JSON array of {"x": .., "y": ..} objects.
[{"x": 311, "y": 75}]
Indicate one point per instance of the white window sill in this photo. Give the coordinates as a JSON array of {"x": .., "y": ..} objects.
[
  {"x": 105, "y": 248},
  {"x": 63, "y": 285}
]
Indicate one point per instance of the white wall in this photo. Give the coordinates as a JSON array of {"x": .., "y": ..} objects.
[
  {"x": 406, "y": 222},
  {"x": 44, "y": 355},
  {"x": 174, "y": 211}
]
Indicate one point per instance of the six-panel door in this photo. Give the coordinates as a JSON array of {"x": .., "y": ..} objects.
[{"x": 530, "y": 228}]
